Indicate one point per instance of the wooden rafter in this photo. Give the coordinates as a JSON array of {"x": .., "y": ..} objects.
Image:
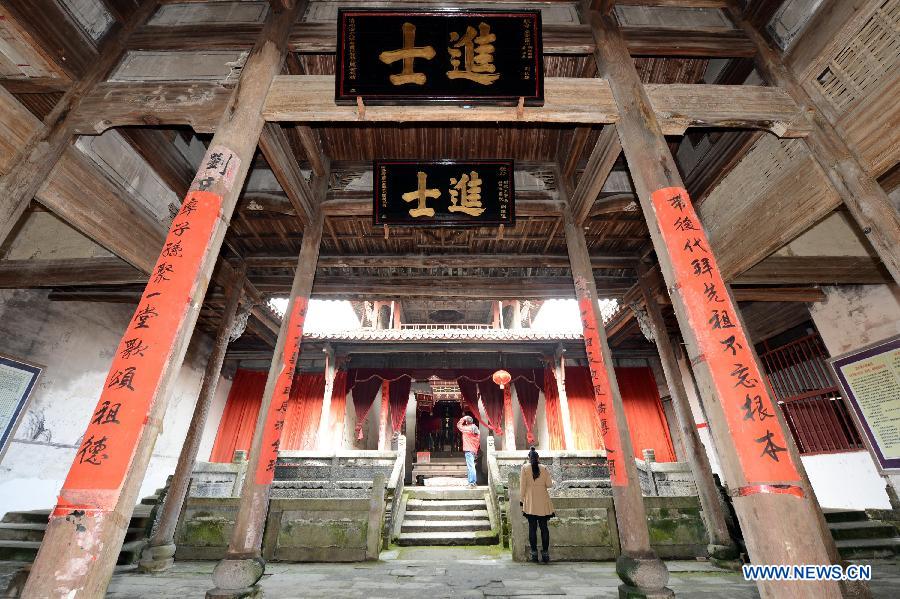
[
  {"x": 600, "y": 164},
  {"x": 277, "y": 149}
]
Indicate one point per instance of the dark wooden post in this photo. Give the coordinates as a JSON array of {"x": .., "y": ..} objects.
[
  {"x": 761, "y": 472},
  {"x": 87, "y": 527},
  {"x": 721, "y": 547},
  {"x": 643, "y": 574},
  {"x": 237, "y": 574},
  {"x": 159, "y": 555}
]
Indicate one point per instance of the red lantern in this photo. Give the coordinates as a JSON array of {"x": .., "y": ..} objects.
[{"x": 502, "y": 378}]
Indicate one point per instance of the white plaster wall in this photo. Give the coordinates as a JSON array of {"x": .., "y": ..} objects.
[
  {"x": 853, "y": 316},
  {"x": 846, "y": 480},
  {"x": 74, "y": 342},
  {"x": 214, "y": 418}
]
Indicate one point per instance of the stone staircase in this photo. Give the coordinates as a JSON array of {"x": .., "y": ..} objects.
[
  {"x": 859, "y": 536},
  {"x": 21, "y": 534},
  {"x": 447, "y": 516}
]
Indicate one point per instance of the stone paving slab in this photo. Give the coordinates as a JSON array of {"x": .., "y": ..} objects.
[{"x": 453, "y": 572}]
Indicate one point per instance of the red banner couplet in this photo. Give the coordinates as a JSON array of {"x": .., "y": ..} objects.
[
  {"x": 265, "y": 468},
  {"x": 749, "y": 410},
  {"x": 609, "y": 428},
  {"x": 107, "y": 449}
]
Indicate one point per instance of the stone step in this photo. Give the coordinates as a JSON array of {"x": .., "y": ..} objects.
[
  {"x": 32, "y": 516},
  {"x": 869, "y": 529},
  {"x": 448, "y": 538},
  {"x": 845, "y": 516},
  {"x": 33, "y": 531},
  {"x": 416, "y": 525},
  {"x": 444, "y": 461},
  {"x": 448, "y": 514},
  {"x": 18, "y": 551},
  {"x": 443, "y": 506},
  {"x": 447, "y": 493},
  {"x": 869, "y": 548}
]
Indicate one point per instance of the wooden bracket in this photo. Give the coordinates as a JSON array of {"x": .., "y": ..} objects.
[
  {"x": 500, "y": 233},
  {"x": 520, "y": 108},
  {"x": 386, "y": 232},
  {"x": 360, "y": 108}
]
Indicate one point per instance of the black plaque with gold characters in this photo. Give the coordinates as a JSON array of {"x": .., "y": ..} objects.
[
  {"x": 439, "y": 56},
  {"x": 444, "y": 193}
]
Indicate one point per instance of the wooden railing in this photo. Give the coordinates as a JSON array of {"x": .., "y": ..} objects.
[{"x": 809, "y": 397}]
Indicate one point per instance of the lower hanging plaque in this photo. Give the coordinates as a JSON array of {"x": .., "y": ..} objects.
[{"x": 444, "y": 193}]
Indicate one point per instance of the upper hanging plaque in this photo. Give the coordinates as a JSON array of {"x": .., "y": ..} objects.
[{"x": 435, "y": 56}]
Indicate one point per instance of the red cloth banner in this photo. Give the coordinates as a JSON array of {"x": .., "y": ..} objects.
[
  {"x": 239, "y": 417},
  {"x": 759, "y": 440},
  {"x": 399, "y": 398},
  {"x": 301, "y": 422},
  {"x": 265, "y": 468},
  {"x": 492, "y": 399},
  {"x": 582, "y": 409},
  {"x": 643, "y": 409},
  {"x": 528, "y": 393},
  {"x": 554, "y": 413},
  {"x": 468, "y": 389},
  {"x": 107, "y": 448},
  {"x": 365, "y": 387}
]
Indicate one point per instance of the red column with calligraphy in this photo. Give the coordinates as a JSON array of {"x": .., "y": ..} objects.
[
  {"x": 759, "y": 438},
  {"x": 107, "y": 448}
]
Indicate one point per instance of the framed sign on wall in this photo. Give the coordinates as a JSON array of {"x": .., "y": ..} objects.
[
  {"x": 17, "y": 381},
  {"x": 444, "y": 193},
  {"x": 870, "y": 379},
  {"x": 439, "y": 56}
]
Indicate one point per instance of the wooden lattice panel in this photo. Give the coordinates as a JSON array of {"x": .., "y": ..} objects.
[
  {"x": 764, "y": 202},
  {"x": 872, "y": 54}
]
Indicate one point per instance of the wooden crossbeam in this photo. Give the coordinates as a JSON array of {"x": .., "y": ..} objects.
[
  {"x": 600, "y": 164},
  {"x": 362, "y": 206},
  {"x": 310, "y": 99},
  {"x": 320, "y": 38},
  {"x": 442, "y": 261},
  {"x": 47, "y": 22},
  {"x": 277, "y": 149},
  {"x": 26, "y": 274},
  {"x": 821, "y": 270}
]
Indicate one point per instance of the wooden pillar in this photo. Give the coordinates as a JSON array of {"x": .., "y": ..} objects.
[
  {"x": 722, "y": 548},
  {"x": 40, "y": 155},
  {"x": 865, "y": 199},
  {"x": 761, "y": 472},
  {"x": 159, "y": 554},
  {"x": 642, "y": 573},
  {"x": 559, "y": 372},
  {"x": 517, "y": 314},
  {"x": 384, "y": 439},
  {"x": 509, "y": 421},
  {"x": 87, "y": 527},
  {"x": 237, "y": 574},
  {"x": 496, "y": 315},
  {"x": 325, "y": 436}
]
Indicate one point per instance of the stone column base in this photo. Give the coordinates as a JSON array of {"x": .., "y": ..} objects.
[
  {"x": 236, "y": 578},
  {"x": 642, "y": 576},
  {"x": 726, "y": 557},
  {"x": 157, "y": 558}
]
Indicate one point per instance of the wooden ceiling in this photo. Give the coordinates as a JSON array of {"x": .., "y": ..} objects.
[{"x": 266, "y": 232}]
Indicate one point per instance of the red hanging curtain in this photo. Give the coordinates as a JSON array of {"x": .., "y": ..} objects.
[
  {"x": 644, "y": 412},
  {"x": 338, "y": 408},
  {"x": 365, "y": 387},
  {"x": 527, "y": 393},
  {"x": 398, "y": 397},
  {"x": 469, "y": 391},
  {"x": 239, "y": 417},
  {"x": 582, "y": 409},
  {"x": 301, "y": 423},
  {"x": 551, "y": 406},
  {"x": 492, "y": 399}
]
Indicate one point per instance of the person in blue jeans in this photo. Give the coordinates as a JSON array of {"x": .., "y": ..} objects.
[{"x": 471, "y": 443}]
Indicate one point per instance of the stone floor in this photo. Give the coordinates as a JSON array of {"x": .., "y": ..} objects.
[{"x": 431, "y": 573}]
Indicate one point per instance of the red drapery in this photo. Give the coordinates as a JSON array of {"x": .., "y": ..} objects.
[
  {"x": 469, "y": 391},
  {"x": 398, "y": 396},
  {"x": 492, "y": 399},
  {"x": 365, "y": 387},
  {"x": 528, "y": 392},
  {"x": 301, "y": 423},
  {"x": 582, "y": 409},
  {"x": 644, "y": 412},
  {"x": 554, "y": 415},
  {"x": 338, "y": 407},
  {"x": 239, "y": 417}
]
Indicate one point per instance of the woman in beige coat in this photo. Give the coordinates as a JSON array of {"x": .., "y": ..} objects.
[{"x": 534, "y": 489}]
